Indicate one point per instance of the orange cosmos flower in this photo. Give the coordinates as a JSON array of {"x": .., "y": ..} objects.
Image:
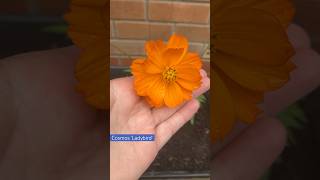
[
  {"x": 169, "y": 74},
  {"x": 88, "y": 30},
  {"x": 250, "y": 56}
]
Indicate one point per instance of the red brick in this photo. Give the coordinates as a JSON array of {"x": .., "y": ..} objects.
[
  {"x": 196, "y": 47},
  {"x": 127, "y": 47},
  {"x": 111, "y": 30},
  {"x": 125, "y": 62},
  {"x": 127, "y": 9},
  {"x": 201, "y": 0},
  {"x": 194, "y": 33},
  {"x": 143, "y": 30},
  {"x": 114, "y": 61},
  {"x": 179, "y": 12}
]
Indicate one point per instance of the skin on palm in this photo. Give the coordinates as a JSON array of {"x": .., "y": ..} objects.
[
  {"x": 53, "y": 133},
  {"x": 129, "y": 115},
  {"x": 49, "y": 132},
  {"x": 132, "y": 114}
]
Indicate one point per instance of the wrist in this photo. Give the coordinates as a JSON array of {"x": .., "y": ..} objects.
[{"x": 122, "y": 166}]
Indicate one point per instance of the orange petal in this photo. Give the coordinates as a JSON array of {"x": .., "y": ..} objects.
[
  {"x": 189, "y": 74},
  {"x": 191, "y": 60},
  {"x": 88, "y": 22},
  {"x": 83, "y": 39},
  {"x": 245, "y": 100},
  {"x": 246, "y": 110},
  {"x": 149, "y": 101},
  {"x": 282, "y": 9},
  {"x": 137, "y": 67},
  {"x": 154, "y": 51},
  {"x": 170, "y": 57},
  {"x": 187, "y": 94},
  {"x": 142, "y": 85},
  {"x": 156, "y": 92},
  {"x": 178, "y": 42},
  {"x": 251, "y": 35},
  {"x": 222, "y": 108},
  {"x": 174, "y": 95},
  {"x": 188, "y": 85},
  {"x": 91, "y": 73},
  {"x": 151, "y": 68},
  {"x": 142, "y": 80},
  {"x": 252, "y": 76}
]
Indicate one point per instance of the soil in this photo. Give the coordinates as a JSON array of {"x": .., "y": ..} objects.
[{"x": 188, "y": 150}]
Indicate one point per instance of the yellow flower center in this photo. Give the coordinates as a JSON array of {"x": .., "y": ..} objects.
[{"x": 169, "y": 74}]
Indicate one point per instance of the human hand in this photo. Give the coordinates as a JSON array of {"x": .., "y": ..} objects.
[
  {"x": 248, "y": 151},
  {"x": 131, "y": 114},
  {"x": 47, "y": 131}
]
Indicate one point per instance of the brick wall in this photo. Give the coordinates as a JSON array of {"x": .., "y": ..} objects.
[{"x": 132, "y": 22}]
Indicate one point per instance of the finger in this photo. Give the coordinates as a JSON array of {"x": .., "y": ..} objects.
[
  {"x": 168, "y": 128},
  {"x": 298, "y": 37},
  {"x": 303, "y": 80},
  {"x": 237, "y": 129},
  {"x": 300, "y": 84},
  {"x": 123, "y": 87},
  {"x": 164, "y": 113},
  {"x": 251, "y": 153},
  {"x": 205, "y": 86},
  {"x": 112, "y": 94}
]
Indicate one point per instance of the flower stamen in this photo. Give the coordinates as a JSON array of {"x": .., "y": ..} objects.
[{"x": 169, "y": 74}]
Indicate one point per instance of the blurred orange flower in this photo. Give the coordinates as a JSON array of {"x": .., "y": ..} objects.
[
  {"x": 169, "y": 74},
  {"x": 88, "y": 21},
  {"x": 250, "y": 56}
]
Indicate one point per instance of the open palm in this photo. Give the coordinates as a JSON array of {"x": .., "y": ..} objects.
[
  {"x": 47, "y": 131},
  {"x": 131, "y": 114}
]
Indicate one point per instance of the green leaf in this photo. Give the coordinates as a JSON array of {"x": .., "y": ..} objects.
[
  {"x": 202, "y": 99},
  {"x": 192, "y": 120},
  {"x": 127, "y": 71},
  {"x": 56, "y": 29},
  {"x": 293, "y": 118}
]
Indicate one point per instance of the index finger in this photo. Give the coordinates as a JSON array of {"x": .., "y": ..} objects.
[{"x": 251, "y": 153}]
